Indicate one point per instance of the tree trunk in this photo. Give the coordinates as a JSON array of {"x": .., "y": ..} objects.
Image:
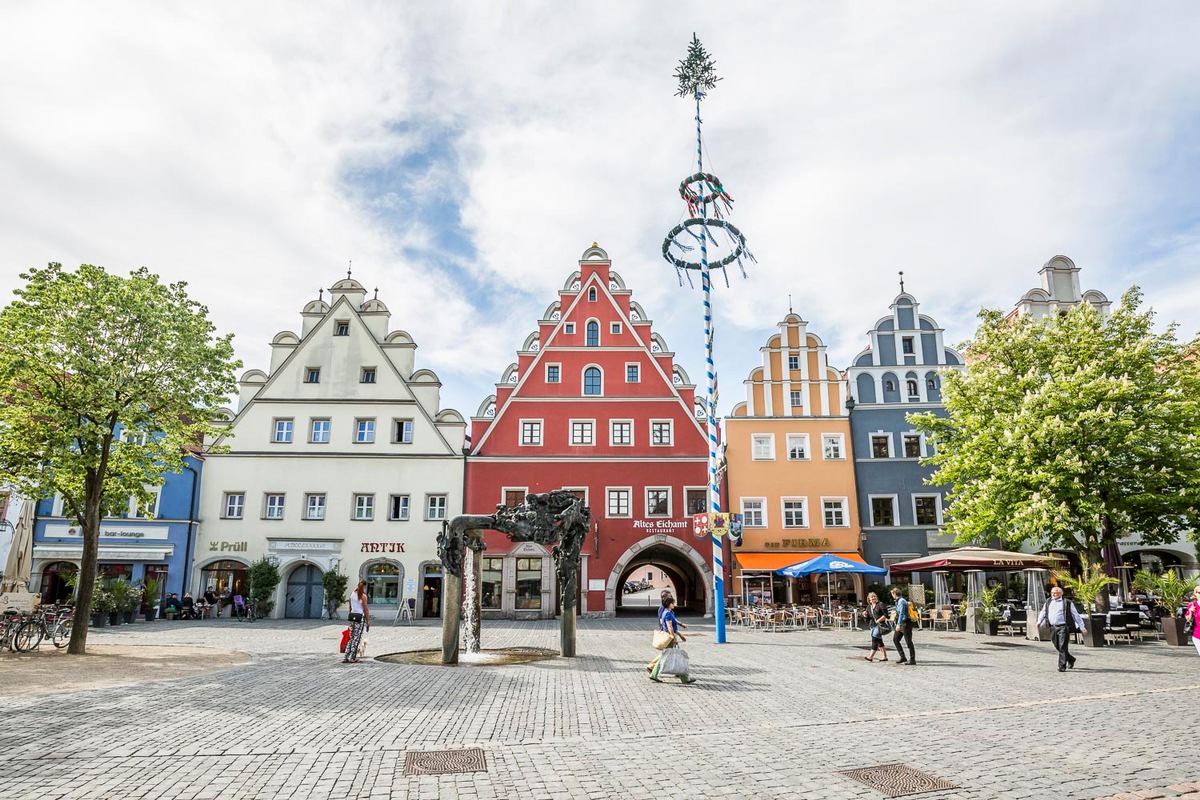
[{"x": 85, "y": 589}]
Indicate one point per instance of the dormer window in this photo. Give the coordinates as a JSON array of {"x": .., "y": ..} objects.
[
  {"x": 312, "y": 375},
  {"x": 368, "y": 375},
  {"x": 341, "y": 327},
  {"x": 592, "y": 295}
]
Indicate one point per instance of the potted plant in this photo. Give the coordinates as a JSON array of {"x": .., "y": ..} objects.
[
  {"x": 124, "y": 598},
  {"x": 961, "y": 619},
  {"x": 987, "y": 616},
  {"x": 1170, "y": 591},
  {"x": 103, "y": 612},
  {"x": 151, "y": 591},
  {"x": 1085, "y": 590}
]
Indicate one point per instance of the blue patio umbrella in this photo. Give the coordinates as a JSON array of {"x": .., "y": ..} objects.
[{"x": 827, "y": 563}]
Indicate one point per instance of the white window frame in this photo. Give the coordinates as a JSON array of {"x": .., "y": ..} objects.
[
  {"x": 569, "y": 328},
  {"x": 583, "y": 380},
  {"x": 793, "y": 358},
  {"x": 310, "y": 373},
  {"x": 937, "y": 498},
  {"x": 762, "y": 447},
  {"x": 920, "y": 437},
  {"x": 558, "y": 369},
  {"x": 405, "y": 507},
  {"x": 762, "y": 510},
  {"x": 843, "y": 504},
  {"x": 637, "y": 372},
  {"x": 591, "y": 423},
  {"x": 226, "y": 506},
  {"x": 599, "y": 340},
  {"x": 911, "y": 344},
  {"x": 890, "y": 443},
  {"x": 670, "y": 427},
  {"x": 802, "y": 439},
  {"x": 704, "y": 490},
  {"x": 276, "y": 424},
  {"x": 368, "y": 375},
  {"x": 911, "y": 384},
  {"x": 134, "y": 513},
  {"x": 840, "y": 440},
  {"x": 402, "y": 430},
  {"x": 573, "y": 489},
  {"x": 364, "y": 430},
  {"x": 784, "y": 510},
  {"x": 504, "y": 492},
  {"x": 871, "y": 498},
  {"x": 443, "y": 509},
  {"x": 309, "y": 505},
  {"x": 614, "y": 328},
  {"x": 268, "y": 506},
  {"x": 312, "y": 430},
  {"x": 536, "y": 427},
  {"x": 670, "y": 501},
  {"x": 609, "y": 491},
  {"x": 795, "y": 395},
  {"x": 362, "y": 507},
  {"x": 612, "y": 440},
  {"x": 341, "y": 327},
  {"x": 592, "y": 294}
]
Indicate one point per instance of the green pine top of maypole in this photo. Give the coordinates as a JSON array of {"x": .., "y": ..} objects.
[{"x": 697, "y": 73}]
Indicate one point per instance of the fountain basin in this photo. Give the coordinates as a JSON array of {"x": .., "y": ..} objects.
[{"x": 484, "y": 658}]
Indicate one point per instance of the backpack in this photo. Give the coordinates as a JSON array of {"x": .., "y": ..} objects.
[{"x": 913, "y": 616}]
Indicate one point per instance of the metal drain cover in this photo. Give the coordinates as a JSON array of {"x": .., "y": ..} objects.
[
  {"x": 897, "y": 780},
  {"x": 444, "y": 762}
]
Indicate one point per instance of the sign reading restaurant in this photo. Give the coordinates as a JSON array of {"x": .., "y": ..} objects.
[{"x": 112, "y": 530}]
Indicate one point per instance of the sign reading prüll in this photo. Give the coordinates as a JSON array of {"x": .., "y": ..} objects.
[{"x": 382, "y": 547}]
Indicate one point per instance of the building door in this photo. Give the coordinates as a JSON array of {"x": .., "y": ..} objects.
[
  {"x": 431, "y": 591},
  {"x": 305, "y": 593}
]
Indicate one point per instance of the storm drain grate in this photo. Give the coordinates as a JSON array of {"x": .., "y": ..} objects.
[
  {"x": 444, "y": 762},
  {"x": 897, "y": 780}
]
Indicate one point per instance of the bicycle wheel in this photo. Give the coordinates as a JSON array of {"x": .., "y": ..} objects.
[
  {"x": 28, "y": 636},
  {"x": 62, "y": 634}
]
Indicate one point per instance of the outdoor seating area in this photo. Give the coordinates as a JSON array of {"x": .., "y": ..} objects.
[{"x": 779, "y": 618}]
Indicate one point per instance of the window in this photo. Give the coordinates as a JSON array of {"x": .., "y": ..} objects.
[
  {"x": 661, "y": 432},
  {"x": 593, "y": 334},
  {"x": 569, "y": 327},
  {"x": 583, "y": 432},
  {"x": 341, "y": 327},
  {"x": 906, "y": 345},
  {"x": 926, "y": 507},
  {"x": 514, "y": 497},
  {"x": 889, "y": 385},
  {"x": 383, "y": 585},
  {"x": 697, "y": 500},
  {"x": 632, "y": 373},
  {"x": 283, "y": 431},
  {"x": 553, "y": 373},
  {"x": 763, "y": 447},
  {"x": 591, "y": 381},
  {"x": 835, "y": 513},
  {"x": 881, "y": 444},
  {"x": 831, "y": 444},
  {"x": 529, "y": 583},
  {"x": 135, "y": 512},
  {"x": 658, "y": 502},
  {"x": 364, "y": 431},
  {"x": 615, "y": 327},
  {"x": 797, "y": 445},
  {"x": 312, "y": 375},
  {"x": 793, "y": 362},
  {"x": 913, "y": 391},
  {"x": 314, "y": 506},
  {"x": 620, "y": 432},
  {"x": 592, "y": 294},
  {"x": 883, "y": 512},
  {"x": 492, "y": 582},
  {"x": 531, "y": 431},
  {"x": 796, "y": 398},
  {"x": 134, "y": 437},
  {"x": 319, "y": 433},
  {"x": 435, "y": 506},
  {"x": 235, "y": 505},
  {"x": 793, "y": 513},
  {"x": 364, "y": 507},
  {"x": 931, "y": 383},
  {"x": 618, "y": 502},
  {"x": 367, "y": 375},
  {"x": 912, "y": 445},
  {"x": 274, "y": 506},
  {"x": 398, "y": 507},
  {"x": 402, "y": 431},
  {"x": 753, "y": 513}
]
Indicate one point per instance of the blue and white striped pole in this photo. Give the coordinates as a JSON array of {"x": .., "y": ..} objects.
[{"x": 714, "y": 490}]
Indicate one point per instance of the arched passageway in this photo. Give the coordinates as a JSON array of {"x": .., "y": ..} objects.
[{"x": 684, "y": 567}]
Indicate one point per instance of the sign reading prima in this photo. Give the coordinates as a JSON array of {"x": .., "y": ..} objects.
[
  {"x": 792, "y": 544},
  {"x": 661, "y": 524},
  {"x": 112, "y": 531}
]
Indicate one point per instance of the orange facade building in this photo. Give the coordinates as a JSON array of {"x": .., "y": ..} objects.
[{"x": 790, "y": 469}]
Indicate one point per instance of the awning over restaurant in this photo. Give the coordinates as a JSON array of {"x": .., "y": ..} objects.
[
  {"x": 769, "y": 562},
  {"x": 972, "y": 558}
]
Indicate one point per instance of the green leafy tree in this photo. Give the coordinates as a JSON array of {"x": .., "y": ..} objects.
[
  {"x": 1071, "y": 432},
  {"x": 334, "y": 583},
  {"x": 105, "y": 383},
  {"x": 264, "y": 579}
]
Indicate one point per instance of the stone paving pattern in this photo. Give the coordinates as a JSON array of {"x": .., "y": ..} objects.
[{"x": 773, "y": 715}]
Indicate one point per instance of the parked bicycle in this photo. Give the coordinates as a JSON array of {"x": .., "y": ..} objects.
[{"x": 48, "y": 622}]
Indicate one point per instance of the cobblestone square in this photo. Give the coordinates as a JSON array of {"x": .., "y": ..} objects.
[{"x": 772, "y": 715}]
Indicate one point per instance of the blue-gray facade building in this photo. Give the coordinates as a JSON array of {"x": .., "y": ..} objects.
[{"x": 899, "y": 373}]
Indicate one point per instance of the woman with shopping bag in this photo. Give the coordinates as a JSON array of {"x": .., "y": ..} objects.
[
  {"x": 674, "y": 659},
  {"x": 360, "y": 618}
]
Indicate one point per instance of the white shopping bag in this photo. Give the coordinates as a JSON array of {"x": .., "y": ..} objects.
[{"x": 674, "y": 661}]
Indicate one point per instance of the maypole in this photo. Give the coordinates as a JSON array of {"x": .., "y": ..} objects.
[{"x": 704, "y": 195}]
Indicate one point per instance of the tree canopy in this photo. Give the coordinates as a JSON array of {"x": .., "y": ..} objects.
[
  {"x": 1071, "y": 432},
  {"x": 107, "y": 382}
]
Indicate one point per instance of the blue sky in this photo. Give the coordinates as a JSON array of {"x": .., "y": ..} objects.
[{"x": 464, "y": 155}]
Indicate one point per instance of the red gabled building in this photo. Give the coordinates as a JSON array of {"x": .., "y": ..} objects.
[{"x": 594, "y": 404}]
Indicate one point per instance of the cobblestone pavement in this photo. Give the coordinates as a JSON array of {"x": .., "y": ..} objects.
[{"x": 773, "y": 715}]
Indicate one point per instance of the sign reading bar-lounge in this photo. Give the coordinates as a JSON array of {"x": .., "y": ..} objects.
[
  {"x": 795, "y": 544},
  {"x": 112, "y": 530}
]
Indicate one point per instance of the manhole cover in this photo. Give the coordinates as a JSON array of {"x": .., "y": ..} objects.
[
  {"x": 444, "y": 762},
  {"x": 897, "y": 780}
]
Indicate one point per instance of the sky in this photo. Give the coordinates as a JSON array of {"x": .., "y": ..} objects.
[{"x": 463, "y": 156}]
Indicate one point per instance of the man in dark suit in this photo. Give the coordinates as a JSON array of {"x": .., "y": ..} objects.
[{"x": 1064, "y": 620}]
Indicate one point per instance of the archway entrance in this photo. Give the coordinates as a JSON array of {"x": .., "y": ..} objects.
[
  {"x": 54, "y": 582},
  {"x": 684, "y": 567},
  {"x": 305, "y": 593}
]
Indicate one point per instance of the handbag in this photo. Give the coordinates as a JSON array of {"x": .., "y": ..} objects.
[
  {"x": 662, "y": 640},
  {"x": 345, "y": 640},
  {"x": 674, "y": 661},
  {"x": 885, "y": 627}
]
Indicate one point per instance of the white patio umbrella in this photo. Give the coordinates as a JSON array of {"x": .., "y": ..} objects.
[{"x": 20, "y": 554}]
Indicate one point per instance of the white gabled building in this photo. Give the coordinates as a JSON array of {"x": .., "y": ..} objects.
[{"x": 338, "y": 458}]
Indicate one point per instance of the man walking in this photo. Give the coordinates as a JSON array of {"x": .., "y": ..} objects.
[
  {"x": 1064, "y": 623},
  {"x": 903, "y": 634}
]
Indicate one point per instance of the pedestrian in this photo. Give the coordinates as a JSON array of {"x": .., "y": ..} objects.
[
  {"x": 360, "y": 618},
  {"x": 1190, "y": 617},
  {"x": 663, "y": 607},
  {"x": 667, "y": 622},
  {"x": 903, "y": 634},
  {"x": 878, "y": 614},
  {"x": 1063, "y": 624}
]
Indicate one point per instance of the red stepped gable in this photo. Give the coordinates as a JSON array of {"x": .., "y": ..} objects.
[{"x": 595, "y": 404}]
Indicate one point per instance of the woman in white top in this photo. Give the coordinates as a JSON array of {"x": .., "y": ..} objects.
[{"x": 360, "y": 617}]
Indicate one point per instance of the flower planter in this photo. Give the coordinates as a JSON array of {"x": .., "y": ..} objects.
[
  {"x": 1173, "y": 632},
  {"x": 127, "y": 617},
  {"x": 961, "y": 622},
  {"x": 1095, "y": 630},
  {"x": 114, "y": 618},
  {"x": 150, "y": 614},
  {"x": 99, "y": 619}
]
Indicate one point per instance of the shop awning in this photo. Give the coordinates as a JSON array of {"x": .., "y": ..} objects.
[
  {"x": 131, "y": 552},
  {"x": 769, "y": 562}
]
